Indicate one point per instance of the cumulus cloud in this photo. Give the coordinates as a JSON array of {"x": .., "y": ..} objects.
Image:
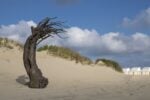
[
  {"x": 18, "y": 31},
  {"x": 84, "y": 40},
  {"x": 114, "y": 45},
  {"x": 141, "y": 21},
  {"x": 94, "y": 43}
]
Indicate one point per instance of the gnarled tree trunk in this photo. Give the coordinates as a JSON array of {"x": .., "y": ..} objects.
[
  {"x": 34, "y": 73},
  {"x": 44, "y": 29}
]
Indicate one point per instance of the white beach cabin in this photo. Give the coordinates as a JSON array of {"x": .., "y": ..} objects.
[
  {"x": 126, "y": 71},
  {"x": 146, "y": 71},
  {"x": 135, "y": 71}
]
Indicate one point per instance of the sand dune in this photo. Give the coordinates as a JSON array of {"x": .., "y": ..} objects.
[{"x": 68, "y": 80}]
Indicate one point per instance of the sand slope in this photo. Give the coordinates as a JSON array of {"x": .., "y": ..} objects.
[{"x": 68, "y": 80}]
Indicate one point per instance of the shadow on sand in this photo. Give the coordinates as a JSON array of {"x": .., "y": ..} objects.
[{"x": 24, "y": 80}]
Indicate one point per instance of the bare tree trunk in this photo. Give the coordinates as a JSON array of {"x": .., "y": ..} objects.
[
  {"x": 29, "y": 58},
  {"x": 44, "y": 29}
]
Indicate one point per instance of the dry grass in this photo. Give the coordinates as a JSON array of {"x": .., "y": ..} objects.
[
  {"x": 72, "y": 55},
  {"x": 10, "y": 44},
  {"x": 66, "y": 53},
  {"x": 110, "y": 63}
]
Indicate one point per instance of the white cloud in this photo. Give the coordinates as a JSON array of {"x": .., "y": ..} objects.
[
  {"x": 84, "y": 40},
  {"x": 18, "y": 31},
  {"x": 113, "y": 45},
  {"x": 140, "y": 42},
  {"x": 141, "y": 21},
  {"x": 92, "y": 42},
  {"x": 113, "y": 42}
]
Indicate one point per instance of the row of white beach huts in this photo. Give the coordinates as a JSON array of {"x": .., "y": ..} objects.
[{"x": 137, "y": 71}]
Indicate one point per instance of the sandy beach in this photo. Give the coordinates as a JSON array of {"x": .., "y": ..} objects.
[{"x": 68, "y": 80}]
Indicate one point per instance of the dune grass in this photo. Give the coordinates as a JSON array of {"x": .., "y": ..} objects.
[
  {"x": 8, "y": 43},
  {"x": 110, "y": 63},
  {"x": 66, "y": 53},
  {"x": 69, "y": 54}
]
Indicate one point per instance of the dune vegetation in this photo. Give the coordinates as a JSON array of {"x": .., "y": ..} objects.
[
  {"x": 66, "y": 53},
  {"x": 72, "y": 55},
  {"x": 10, "y": 44},
  {"x": 110, "y": 63}
]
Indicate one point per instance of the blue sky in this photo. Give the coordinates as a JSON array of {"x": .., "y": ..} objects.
[
  {"x": 114, "y": 29},
  {"x": 102, "y": 15}
]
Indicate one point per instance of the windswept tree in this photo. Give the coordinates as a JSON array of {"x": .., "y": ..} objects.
[{"x": 46, "y": 28}]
